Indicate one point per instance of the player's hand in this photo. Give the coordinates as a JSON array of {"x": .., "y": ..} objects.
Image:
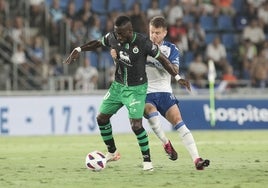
[
  {"x": 72, "y": 57},
  {"x": 113, "y": 53},
  {"x": 185, "y": 83}
]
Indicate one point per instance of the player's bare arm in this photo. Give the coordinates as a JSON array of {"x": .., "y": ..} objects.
[
  {"x": 90, "y": 46},
  {"x": 173, "y": 71}
]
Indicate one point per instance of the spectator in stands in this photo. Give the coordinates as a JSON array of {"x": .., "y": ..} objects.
[
  {"x": 255, "y": 3},
  {"x": 35, "y": 51},
  {"x": 70, "y": 13},
  {"x": 173, "y": 11},
  {"x": 95, "y": 31},
  {"x": 225, "y": 6},
  {"x": 17, "y": 31},
  {"x": 56, "y": 16},
  {"x": 217, "y": 52},
  {"x": 4, "y": 11},
  {"x": 178, "y": 34},
  {"x": 86, "y": 77},
  {"x": 259, "y": 75},
  {"x": 85, "y": 13},
  {"x": 206, "y": 7},
  {"x": 229, "y": 77},
  {"x": 154, "y": 10},
  {"x": 138, "y": 19},
  {"x": 196, "y": 36},
  {"x": 254, "y": 33},
  {"x": 247, "y": 51},
  {"x": 109, "y": 26},
  {"x": 197, "y": 71},
  {"x": 37, "y": 14},
  {"x": 264, "y": 50},
  {"x": 78, "y": 33},
  {"x": 55, "y": 65},
  {"x": 19, "y": 55},
  {"x": 56, "y": 13},
  {"x": 189, "y": 5},
  {"x": 263, "y": 16}
]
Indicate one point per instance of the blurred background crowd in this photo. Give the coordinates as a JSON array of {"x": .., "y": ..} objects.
[{"x": 37, "y": 35}]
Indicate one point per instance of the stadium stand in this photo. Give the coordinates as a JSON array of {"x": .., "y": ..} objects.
[{"x": 57, "y": 36}]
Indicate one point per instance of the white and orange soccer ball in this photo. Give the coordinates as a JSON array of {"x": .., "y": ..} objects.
[{"x": 95, "y": 161}]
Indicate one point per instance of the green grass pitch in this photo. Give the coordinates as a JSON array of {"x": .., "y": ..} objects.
[{"x": 239, "y": 159}]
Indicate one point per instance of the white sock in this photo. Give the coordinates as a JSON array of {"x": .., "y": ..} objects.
[
  {"x": 154, "y": 122},
  {"x": 187, "y": 140}
]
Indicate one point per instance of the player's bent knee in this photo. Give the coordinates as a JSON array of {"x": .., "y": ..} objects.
[{"x": 103, "y": 119}]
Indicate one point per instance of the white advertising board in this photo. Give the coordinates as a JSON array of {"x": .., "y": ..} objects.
[{"x": 58, "y": 115}]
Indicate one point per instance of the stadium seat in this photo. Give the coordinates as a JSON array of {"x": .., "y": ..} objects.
[
  {"x": 238, "y": 6},
  {"x": 188, "y": 18},
  {"x": 63, "y": 4},
  {"x": 48, "y": 2},
  {"x": 129, "y": 4},
  {"x": 188, "y": 57},
  {"x": 225, "y": 23},
  {"x": 99, "y": 6},
  {"x": 145, "y": 4},
  {"x": 115, "y": 5},
  {"x": 229, "y": 40},
  {"x": 163, "y": 4},
  {"x": 210, "y": 37},
  {"x": 79, "y": 4},
  {"x": 229, "y": 57},
  {"x": 103, "y": 19},
  {"x": 93, "y": 58},
  {"x": 207, "y": 23},
  {"x": 240, "y": 22},
  {"x": 106, "y": 60}
]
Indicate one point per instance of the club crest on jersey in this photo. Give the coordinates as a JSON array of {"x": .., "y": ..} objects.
[{"x": 135, "y": 50}]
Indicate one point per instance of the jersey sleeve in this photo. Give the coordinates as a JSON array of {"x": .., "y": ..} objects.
[
  {"x": 174, "y": 56},
  {"x": 105, "y": 40},
  {"x": 151, "y": 48}
]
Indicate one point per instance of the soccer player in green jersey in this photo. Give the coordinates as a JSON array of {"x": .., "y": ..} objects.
[{"x": 130, "y": 85}]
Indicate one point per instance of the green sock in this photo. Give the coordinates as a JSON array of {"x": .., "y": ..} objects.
[
  {"x": 143, "y": 141},
  {"x": 107, "y": 136}
]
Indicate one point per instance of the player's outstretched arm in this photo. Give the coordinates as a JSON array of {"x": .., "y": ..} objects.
[{"x": 90, "y": 46}]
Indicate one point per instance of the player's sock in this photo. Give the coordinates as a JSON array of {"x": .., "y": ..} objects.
[
  {"x": 154, "y": 122},
  {"x": 187, "y": 139},
  {"x": 143, "y": 141},
  {"x": 107, "y": 136}
]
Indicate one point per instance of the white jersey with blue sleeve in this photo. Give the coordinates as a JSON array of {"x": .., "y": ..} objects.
[{"x": 159, "y": 80}]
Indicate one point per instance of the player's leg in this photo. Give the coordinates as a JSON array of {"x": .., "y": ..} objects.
[
  {"x": 109, "y": 106},
  {"x": 135, "y": 103},
  {"x": 143, "y": 141},
  {"x": 152, "y": 115},
  {"x": 153, "y": 100},
  {"x": 173, "y": 115}
]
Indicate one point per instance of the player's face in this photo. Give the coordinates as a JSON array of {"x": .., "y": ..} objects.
[
  {"x": 157, "y": 35},
  {"x": 123, "y": 33}
]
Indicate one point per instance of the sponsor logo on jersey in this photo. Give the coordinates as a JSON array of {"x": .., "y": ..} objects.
[{"x": 124, "y": 58}]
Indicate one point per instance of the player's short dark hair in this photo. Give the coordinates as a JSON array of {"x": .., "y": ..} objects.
[
  {"x": 159, "y": 21},
  {"x": 122, "y": 20}
]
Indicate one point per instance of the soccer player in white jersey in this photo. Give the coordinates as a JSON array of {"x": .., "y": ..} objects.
[{"x": 160, "y": 97}]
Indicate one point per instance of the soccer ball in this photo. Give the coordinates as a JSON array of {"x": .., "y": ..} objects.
[{"x": 95, "y": 161}]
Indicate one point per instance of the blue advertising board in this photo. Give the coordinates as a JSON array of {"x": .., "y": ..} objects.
[{"x": 229, "y": 114}]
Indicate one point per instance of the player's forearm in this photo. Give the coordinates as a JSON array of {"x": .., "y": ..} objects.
[
  {"x": 172, "y": 70},
  {"x": 90, "y": 46}
]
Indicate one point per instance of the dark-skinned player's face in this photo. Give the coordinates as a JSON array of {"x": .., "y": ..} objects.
[{"x": 123, "y": 33}]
